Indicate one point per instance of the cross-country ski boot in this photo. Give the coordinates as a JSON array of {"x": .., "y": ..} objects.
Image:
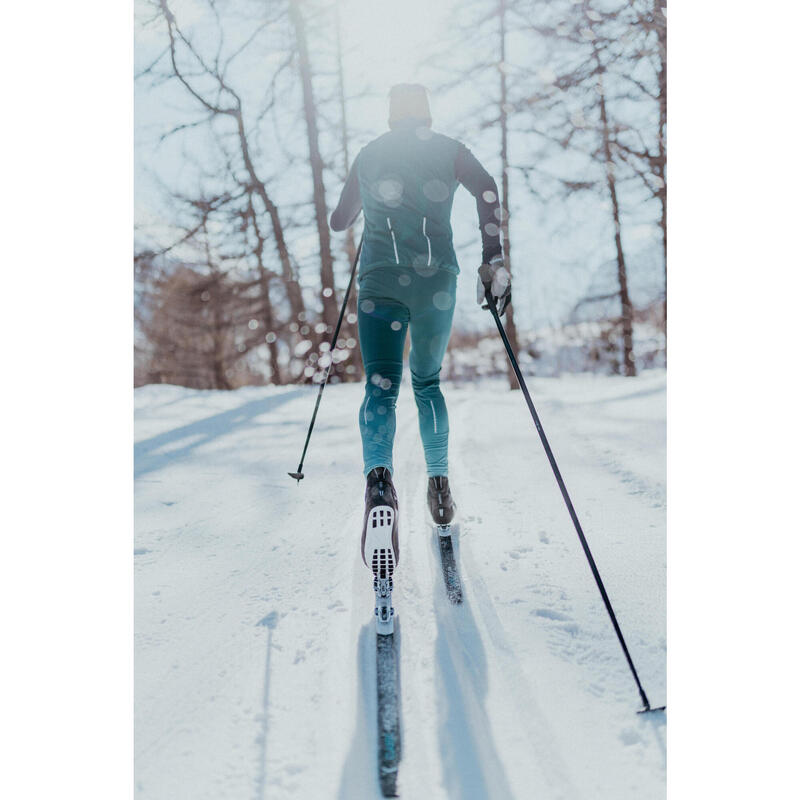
[
  {"x": 440, "y": 501},
  {"x": 379, "y": 546},
  {"x": 443, "y": 509}
]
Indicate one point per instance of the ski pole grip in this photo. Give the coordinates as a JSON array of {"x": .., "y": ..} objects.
[{"x": 487, "y": 289}]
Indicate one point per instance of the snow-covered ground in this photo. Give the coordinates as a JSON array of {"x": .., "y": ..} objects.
[{"x": 254, "y": 632}]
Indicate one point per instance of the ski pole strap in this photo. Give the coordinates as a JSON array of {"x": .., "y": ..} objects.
[{"x": 567, "y": 500}]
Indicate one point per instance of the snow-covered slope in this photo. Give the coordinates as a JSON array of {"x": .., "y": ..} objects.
[{"x": 254, "y": 632}]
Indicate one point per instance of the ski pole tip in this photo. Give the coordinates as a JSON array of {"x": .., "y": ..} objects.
[
  {"x": 649, "y": 710},
  {"x": 298, "y": 476}
]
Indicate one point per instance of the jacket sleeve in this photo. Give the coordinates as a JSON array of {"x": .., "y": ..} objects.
[
  {"x": 346, "y": 213},
  {"x": 480, "y": 184}
]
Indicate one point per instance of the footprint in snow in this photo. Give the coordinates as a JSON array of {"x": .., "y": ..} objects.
[
  {"x": 140, "y": 551},
  {"x": 549, "y": 613},
  {"x": 629, "y": 737},
  {"x": 571, "y": 628}
]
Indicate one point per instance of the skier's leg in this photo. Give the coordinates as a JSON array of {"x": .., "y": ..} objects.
[
  {"x": 382, "y": 326},
  {"x": 430, "y": 332}
]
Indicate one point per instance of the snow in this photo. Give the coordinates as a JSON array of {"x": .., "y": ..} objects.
[{"x": 255, "y": 651}]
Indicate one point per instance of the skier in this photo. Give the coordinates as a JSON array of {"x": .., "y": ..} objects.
[{"x": 405, "y": 181}]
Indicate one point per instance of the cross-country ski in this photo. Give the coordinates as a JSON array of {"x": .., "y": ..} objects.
[
  {"x": 389, "y": 743},
  {"x": 445, "y": 536}
]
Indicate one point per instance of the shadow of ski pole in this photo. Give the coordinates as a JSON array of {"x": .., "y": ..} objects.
[
  {"x": 269, "y": 622},
  {"x": 657, "y": 722},
  {"x": 158, "y": 451}
]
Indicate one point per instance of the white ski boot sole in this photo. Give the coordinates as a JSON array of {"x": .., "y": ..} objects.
[
  {"x": 378, "y": 550},
  {"x": 381, "y": 558}
]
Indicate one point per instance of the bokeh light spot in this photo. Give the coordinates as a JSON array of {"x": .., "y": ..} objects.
[
  {"x": 390, "y": 191},
  {"x": 435, "y": 190},
  {"x": 442, "y": 300}
]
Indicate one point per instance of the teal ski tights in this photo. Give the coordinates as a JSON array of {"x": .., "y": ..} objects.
[{"x": 392, "y": 300}]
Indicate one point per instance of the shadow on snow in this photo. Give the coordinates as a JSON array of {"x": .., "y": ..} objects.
[
  {"x": 471, "y": 765},
  {"x": 147, "y": 457},
  {"x": 269, "y": 622}
]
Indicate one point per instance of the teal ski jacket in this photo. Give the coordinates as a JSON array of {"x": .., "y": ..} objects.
[{"x": 405, "y": 181}]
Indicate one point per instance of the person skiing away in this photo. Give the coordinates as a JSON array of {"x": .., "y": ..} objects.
[{"x": 405, "y": 181}]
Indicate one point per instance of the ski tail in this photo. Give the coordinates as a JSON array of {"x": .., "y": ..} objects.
[{"x": 388, "y": 684}]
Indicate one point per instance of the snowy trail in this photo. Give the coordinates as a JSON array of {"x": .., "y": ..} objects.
[{"x": 254, "y": 633}]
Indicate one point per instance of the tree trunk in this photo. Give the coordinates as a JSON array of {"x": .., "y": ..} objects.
[
  {"x": 218, "y": 336},
  {"x": 511, "y": 328},
  {"x": 350, "y": 239},
  {"x": 293, "y": 291},
  {"x": 263, "y": 282},
  {"x": 661, "y": 32},
  {"x": 330, "y": 310},
  {"x": 217, "y": 320},
  {"x": 622, "y": 274}
]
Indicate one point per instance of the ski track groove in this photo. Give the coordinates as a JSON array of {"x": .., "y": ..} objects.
[
  {"x": 550, "y": 774},
  {"x": 416, "y": 597},
  {"x": 469, "y": 754}
]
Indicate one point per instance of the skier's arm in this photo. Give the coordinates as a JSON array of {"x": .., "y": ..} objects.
[
  {"x": 346, "y": 213},
  {"x": 480, "y": 184}
]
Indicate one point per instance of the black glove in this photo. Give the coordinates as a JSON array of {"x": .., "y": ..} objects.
[{"x": 495, "y": 278}]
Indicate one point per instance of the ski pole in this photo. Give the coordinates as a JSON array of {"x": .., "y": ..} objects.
[
  {"x": 298, "y": 476},
  {"x": 565, "y": 494}
]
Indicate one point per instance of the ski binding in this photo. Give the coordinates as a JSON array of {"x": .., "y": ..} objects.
[{"x": 384, "y": 613}]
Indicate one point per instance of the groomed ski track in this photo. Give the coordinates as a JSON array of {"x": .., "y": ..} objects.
[{"x": 255, "y": 652}]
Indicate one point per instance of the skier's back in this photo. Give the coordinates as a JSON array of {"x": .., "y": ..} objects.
[{"x": 405, "y": 181}]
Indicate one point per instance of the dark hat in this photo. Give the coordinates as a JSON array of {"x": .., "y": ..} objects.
[{"x": 409, "y": 101}]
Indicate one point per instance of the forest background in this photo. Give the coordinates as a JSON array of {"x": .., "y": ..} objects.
[{"x": 248, "y": 115}]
